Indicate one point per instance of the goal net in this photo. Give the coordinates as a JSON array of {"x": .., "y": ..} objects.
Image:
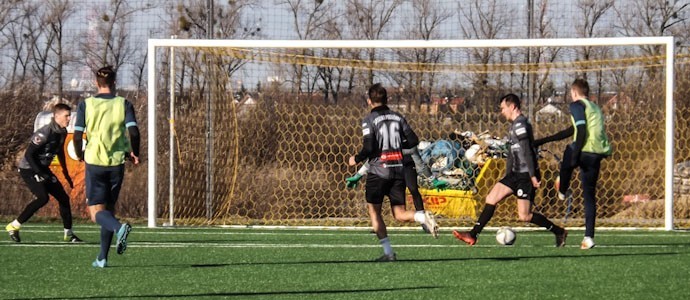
[{"x": 258, "y": 132}]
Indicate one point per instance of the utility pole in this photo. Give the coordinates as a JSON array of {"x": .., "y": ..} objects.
[{"x": 530, "y": 74}]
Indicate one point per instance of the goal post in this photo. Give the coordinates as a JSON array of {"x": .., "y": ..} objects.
[{"x": 157, "y": 46}]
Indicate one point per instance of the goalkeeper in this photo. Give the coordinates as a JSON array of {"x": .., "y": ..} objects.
[
  {"x": 410, "y": 173},
  {"x": 34, "y": 167}
]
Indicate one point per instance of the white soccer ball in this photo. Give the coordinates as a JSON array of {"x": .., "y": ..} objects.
[{"x": 505, "y": 236}]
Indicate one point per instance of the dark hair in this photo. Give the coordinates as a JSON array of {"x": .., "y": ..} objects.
[
  {"x": 106, "y": 76},
  {"x": 581, "y": 86},
  {"x": 511, "y": 99},
  {"x": 60, "y": 107},
  {"x": 378, "y": 94}
]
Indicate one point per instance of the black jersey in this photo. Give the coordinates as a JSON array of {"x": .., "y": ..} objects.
[
  {"x": 521, "y": 158},
  {"x": 386, "y": 133},
  {"x": 45, "y": 143}
]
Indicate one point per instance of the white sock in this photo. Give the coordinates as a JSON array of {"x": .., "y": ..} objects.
[
  {"x": 16, "y": 224},
  {"x": 419, "y": 217},
  {"x": 387, "y": 249},
  {"x": 68, "y": 231}
]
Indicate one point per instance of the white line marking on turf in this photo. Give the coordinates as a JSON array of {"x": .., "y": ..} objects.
[
  {"x": 270, "y": 245},
  {"x": 336, "y": 233}
]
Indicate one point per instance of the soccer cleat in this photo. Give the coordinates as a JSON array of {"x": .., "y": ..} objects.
[
  {"x": 72, "y": 238},
  {"x": 465, "y": 237},
  {"x": 386, "y": 258},
  {"x": 430, "y": 223},
  {"x": 587, "y": 243},
  {"x": 99, "y": 263},
  {"x": 567, "y": 195},
  {"x": 425, "y": 229},
  {"x": 560, "y": 238},
  {"x": 122, "y": 234},
  {"x": 14, "y": 233}
]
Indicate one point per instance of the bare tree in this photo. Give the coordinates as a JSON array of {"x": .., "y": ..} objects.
[
  {"x": 8, "y": 17},
  {"x": 308, "y": 18},
  {"x": 369, "y": 20},
  {"x": 6, "y": 12},
  {"x": 47, "y": 46},
  {"x": 109, "y": 39},
  {"x": 191, "y": 20},
  {"x": 544, "y": 29},
  {"x": 650, "y": 18},
  {"x": 592, "y": 12},
  {"x": 333, "y": 76},
  {"x": 41, "y": 40},
  {"x": 59, "y": 12},
  {"x": 653, "y": 18},
  {"x": 19, "y": 35},
  {"x": 423, "y": 24},
  {"x": 482, "y": 20}
]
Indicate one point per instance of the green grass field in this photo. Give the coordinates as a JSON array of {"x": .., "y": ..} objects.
[{"x": 218, "y": 263}]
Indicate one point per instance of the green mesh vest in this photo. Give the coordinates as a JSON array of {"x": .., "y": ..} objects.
[
  {"x": 597, "y": 141},
  {"x": 105, "y": 130}
]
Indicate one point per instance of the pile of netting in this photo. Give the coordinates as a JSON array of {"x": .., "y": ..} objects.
[{"x": 458, "y": 160}]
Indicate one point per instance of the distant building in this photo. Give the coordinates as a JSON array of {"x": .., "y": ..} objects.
[{"x": 548, "y": 112}]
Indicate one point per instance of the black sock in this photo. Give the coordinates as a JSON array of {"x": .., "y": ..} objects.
[
  {"x": 540, "y": 220},
  {"x": 484, "y": 218}
]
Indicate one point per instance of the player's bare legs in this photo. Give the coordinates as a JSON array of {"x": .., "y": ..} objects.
[
  {"x": 377, "y": 223},
  {"x": 526, "y": 215},
  {"x": 379, "y": 227},
  {"x": 422, "y": 217},
  {"x": 496, "y": 195}
]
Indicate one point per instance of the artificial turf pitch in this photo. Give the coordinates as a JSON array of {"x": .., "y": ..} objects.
[{"x": 222, "y": 263}]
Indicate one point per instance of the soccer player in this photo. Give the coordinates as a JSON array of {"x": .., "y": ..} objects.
[
  {"x": 34, "y": 168},
  {"x": 106, "y": 118},
  {"x": 589, "y": 147},
  {"x": 411, "y": 172},
  {"x": 521, "y": 178},
  {"x": 385, "y": 134}
]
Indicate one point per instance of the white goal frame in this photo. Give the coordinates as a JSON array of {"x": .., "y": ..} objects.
[{"x": 666, "y": 41}]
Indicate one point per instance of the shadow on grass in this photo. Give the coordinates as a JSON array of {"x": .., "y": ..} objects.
[
  {"x": 248, "y": 294},
  {"x": 512, "y": 258},
  {"x": 199, "y": 242}
]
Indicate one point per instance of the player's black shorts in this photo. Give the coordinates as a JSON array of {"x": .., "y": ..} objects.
[
  {"x": 103, "y": 184},
  {"x": 521, "y": 184},
  {"x": 378, "y": 187}
]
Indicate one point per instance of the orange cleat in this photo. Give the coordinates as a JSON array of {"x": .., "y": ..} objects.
[{"x": 465, "y": 237}]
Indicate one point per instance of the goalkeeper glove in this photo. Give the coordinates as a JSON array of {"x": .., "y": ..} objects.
[
  {"x": 351, "y": 182},
  {"x": 439, "y": 185}
]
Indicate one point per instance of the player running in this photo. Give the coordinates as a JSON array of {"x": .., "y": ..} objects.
[
  {"x": 521, "y": 178},
  {"x": 411, "y": 173},
  {"x": 385, "y": 134},
  {"x": 106, "y": 118}
]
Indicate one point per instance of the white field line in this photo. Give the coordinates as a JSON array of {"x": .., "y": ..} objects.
[
  {"x": 339, "y": 228},
  {"x": 175, "y": 231},
  {"x": 332, "y": 246}
]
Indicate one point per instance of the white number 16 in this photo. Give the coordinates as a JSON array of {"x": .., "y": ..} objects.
[{"x": 390, "y": 136}]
